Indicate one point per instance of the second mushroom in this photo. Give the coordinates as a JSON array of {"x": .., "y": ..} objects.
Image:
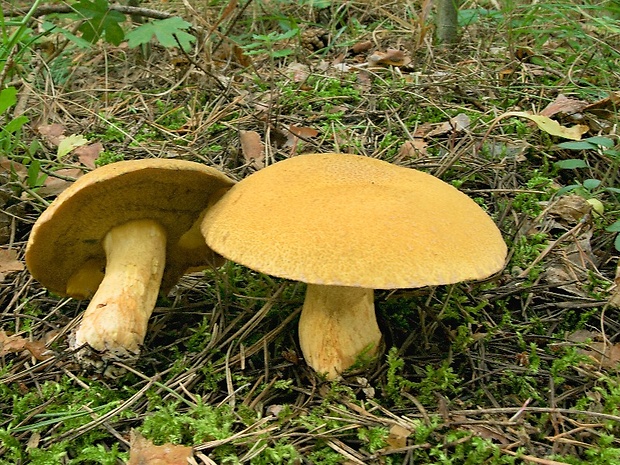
[{"x": 346, "y": 225}]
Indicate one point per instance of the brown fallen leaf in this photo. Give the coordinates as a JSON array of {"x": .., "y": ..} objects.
[
  {"x": 570, "y": 209},
  {"x": 143, "y": 452},
  {"x": 412, "y": 149},
  {"x": 298, "y": 72},
  {"x": 361, "y": 47},
  {"x": 599, "y": 349},
  {"x": 54, "y": 185},
  {"x": 87, "y": 154},
  {"x": 391, "y": 57},
  {"x": 397, "y": 438},
  {"x": 252, "y": 149},
  {"x": 52, "y": 133},
  {"x": 364, "y": 79},
  {"x": 302, "y": 131},
  {"x": 9, "y": 263},
  {"x": 459, "y": 123},
  {"x": 297, "y": 132},
  {"x": 564, "y": 105},
  {"x": 13, "y": 167},
  {"x": 13, "y": 344},
  {"x": 608, "y": 103}
]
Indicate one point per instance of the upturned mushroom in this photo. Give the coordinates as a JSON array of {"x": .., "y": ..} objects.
[
  {"x": 345, "y": 225},
  {"x": 119, "y": 234}
]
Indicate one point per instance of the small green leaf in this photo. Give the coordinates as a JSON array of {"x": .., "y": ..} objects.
[
  {"x": 35, "y": 177},
  {"x": 288, "y": 34},
  {"x": 78, "y": 41},
  {"x": 165, "y": 31},
  {"x": 591, "y": 143},
  {"x": 69, "y": 143},
  {"x": 614, "y": 227},
  {"x": 567, "y": 189},
  {"x": 8, "y": 98},
  {"x": 15, "y": 124},
  {"x": 617, "y": 243},
  {"x": 101, "y": 21},
  {"x": 578, "y": 145},
  {"x": 612, "y": 153},
  {"x": 600, "y": 140},
  {"x": 281, "y": 53},
  {"x": 591, "y": 184},
  {"x": 570, "y": 164}
]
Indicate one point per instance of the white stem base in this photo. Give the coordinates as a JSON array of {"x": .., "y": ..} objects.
[
  {"x": 117, "y": 317},
  {"x": 337, "y": 325}
]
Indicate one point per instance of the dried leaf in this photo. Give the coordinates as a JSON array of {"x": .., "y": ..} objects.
[
  {"x": 599, "y": 349},
  {"x": 252, "y": 149},
  {"x": 10, "y": 166},
  {"x": 570, "y": 209},
  {"x": 412, "y": 149},
  {"x": 397, "y": 438},
  {"x": 243, "y": 59},
  {"x": 54, "y": 185},
  {"x": 302, "y": 131},
  {"x": 565, "y": 105},
  {"x": 361, "y": 47},
  {"x": 143, "y": 452},
  {"x": 391, "y": 57},
  {"x": 298, "y": 72},
  {"x": 296, "y": 132},
  {"x": 13, "y": 344},
  {"x": 422, "y": 130},
  {"x": 87, "y": 154},
  {"x": 364, "y": 79},
  {"x": 608, "y": 103},
  {"x": 459, "y": 123},
  {"x": 52, "y": 133},
  {"x": 9, "y": 263},
  {"x": 551, "y": 126}
]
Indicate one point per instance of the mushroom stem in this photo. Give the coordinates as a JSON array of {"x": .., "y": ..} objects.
[
  {"x": 336, "y": 326},
  {"x": 116, "y": 318}
]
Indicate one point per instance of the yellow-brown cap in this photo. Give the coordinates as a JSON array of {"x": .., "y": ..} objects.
[
  {"x": 69, "y": 233},
  {"x": 347, "y": 220}
]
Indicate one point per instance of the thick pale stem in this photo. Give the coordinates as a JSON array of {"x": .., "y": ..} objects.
[
  {"x": 337, "y": 325},
  {"x": 116, "y": 318}
]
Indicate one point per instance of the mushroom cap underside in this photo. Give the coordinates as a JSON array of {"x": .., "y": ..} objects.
[
  {"x": 70, "y": 231},
  {"x": 347, "y": 220}
]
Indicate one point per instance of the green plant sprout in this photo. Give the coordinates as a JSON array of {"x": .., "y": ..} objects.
[
  {"x": 267, "y": 43},
  {"x": 591, "y": 188}
]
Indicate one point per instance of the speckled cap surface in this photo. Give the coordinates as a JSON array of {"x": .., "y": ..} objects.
[
  {"x": 70, "y": 231},
  {"x": 348, "y": 220}
]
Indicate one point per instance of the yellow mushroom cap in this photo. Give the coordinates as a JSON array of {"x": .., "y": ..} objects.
[
  {"x": 68, "y": 235},
  {"x": 347, "y": 220}
]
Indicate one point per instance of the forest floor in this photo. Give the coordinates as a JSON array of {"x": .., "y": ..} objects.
[{"x": 520, "y": 114}]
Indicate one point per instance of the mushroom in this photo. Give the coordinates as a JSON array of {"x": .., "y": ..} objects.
[
  {"x": 346, "y": 225},
  {"x": 122, "y": 232}
]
